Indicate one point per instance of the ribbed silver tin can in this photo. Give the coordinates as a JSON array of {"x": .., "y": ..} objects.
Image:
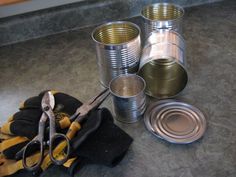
[
  {"x": 162, "y": 16},
  {"x": 162, "y": 64},
  {"x": 129, "y": 99},
  {"x": 118, "y": 49}
]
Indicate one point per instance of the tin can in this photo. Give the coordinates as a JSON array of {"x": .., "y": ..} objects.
[
  {"x": 118, "y": 49},
  {"x": 129, "y": 99},
  {"x": 162, "y": 64},
  {"x": 162, "y": 16}
]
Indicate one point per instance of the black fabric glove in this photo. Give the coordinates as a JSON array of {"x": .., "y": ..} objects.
[{"x": 105, "y": 145}]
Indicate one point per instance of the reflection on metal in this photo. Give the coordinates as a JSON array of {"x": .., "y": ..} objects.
[
  {"x": 129, "y": 99},
  {"x": 118, "y": 49},
  {"x": 162, "y": 64},
  {"x": 162, "y": 16},
  {"x": 175, "y": 121}
]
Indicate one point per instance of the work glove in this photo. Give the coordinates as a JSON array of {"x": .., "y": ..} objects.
[
  {"x": 23, "y": 125},
  {"x": 9, "y": 167},
  {"x": 100, "y": 141}
]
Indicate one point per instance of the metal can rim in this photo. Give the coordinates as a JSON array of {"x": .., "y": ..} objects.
[
  {"x": 173, "y": 96},
  {"x": 133, "y": 96},
  {"x": 157, "y": 4},
  {"x": 166, "y": 57},
  {"x": 116, "y": 22}
]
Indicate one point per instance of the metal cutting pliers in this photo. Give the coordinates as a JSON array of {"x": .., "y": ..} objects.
[
  {"x": 61, "y": 152},
  {"x": 47, "y": 104}
]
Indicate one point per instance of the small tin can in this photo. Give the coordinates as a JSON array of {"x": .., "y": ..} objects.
[
  {"x": 129, "y": 99},
  {"x": 162, "y": 16},
  {"x": 118, "y": 49},
  {"x": 162, "y": 64}
]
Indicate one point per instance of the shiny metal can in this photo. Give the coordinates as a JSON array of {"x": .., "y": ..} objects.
[
  {"x": 129, "y": 99},
  {"x": 118, "y": 49},
  {"x": 162, "y": 64},
  {"x": 162, "y": 16}
]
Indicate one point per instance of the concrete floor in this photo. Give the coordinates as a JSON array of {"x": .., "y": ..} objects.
[{"x": 67, "y": 62}]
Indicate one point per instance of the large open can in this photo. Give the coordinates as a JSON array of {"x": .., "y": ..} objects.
[
  {"x": 162, "y": 16},
  {"x": 162, "y": 64},
  {"x": 118, "y": 49}
]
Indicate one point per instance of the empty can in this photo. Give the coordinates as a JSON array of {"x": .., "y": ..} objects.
[
  {"x": 162, "y": 64},
  {"x": 129, "y": 99},
  {"x": 118, "y": 49},
  {"x": 162, "y": 16}
]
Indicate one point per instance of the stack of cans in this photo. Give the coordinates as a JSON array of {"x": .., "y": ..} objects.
[
  {"x": 162, "y": 62},
  {"x": 162, "y": 66},
  {"x": 159, "y": 70}
]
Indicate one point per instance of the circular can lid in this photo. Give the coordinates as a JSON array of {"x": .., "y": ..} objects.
[{"x": 175, "y": 121}]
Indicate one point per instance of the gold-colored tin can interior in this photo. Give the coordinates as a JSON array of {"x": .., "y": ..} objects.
[
  {"x": 127, "y": 86},
  {"x": 162, "y": 12},
  {"x": 164, "y": 78},
  {"x": 116, "y": 33}
]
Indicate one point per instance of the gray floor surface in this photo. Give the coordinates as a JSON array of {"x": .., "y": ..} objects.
[{"x": 67, "y": 62}]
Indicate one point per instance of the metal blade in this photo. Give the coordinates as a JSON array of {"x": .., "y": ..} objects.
[
  {"x": 98, "y": 100},
  {"x": 91, "y": 104},
  {"x": 48, "y": 100}
]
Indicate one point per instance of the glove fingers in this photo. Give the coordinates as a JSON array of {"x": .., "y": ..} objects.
[
  {"x": 20, "y": 128},
  {"x": 10, "y": 167},
  {"x": 12, "y": 142},
  {"x": 32, "y": 115},
  {"x": 23, "y": 119},
  {"x": 4, "y": 136},
  {"x": 32, "y": 103},
  {"x": 5, "y": 129},
  {"x": 11, "y": 146},
  {"x": 11, "y": 152},
  {"x": 24, "y": 123}
]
